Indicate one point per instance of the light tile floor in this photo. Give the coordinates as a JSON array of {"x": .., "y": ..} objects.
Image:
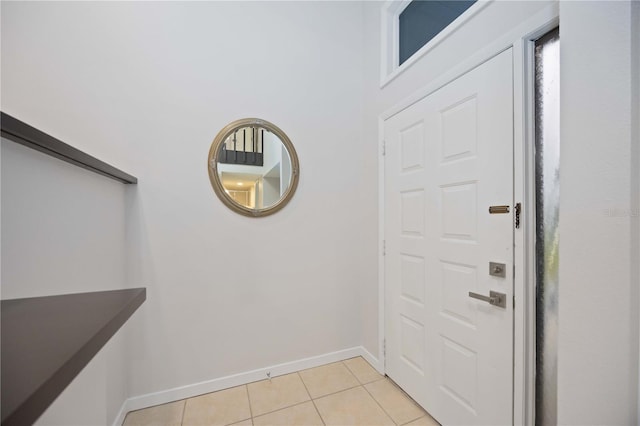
[{"x": 346, "y": 393}]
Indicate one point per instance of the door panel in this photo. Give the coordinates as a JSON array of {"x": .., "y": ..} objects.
[{"x": 448, "y": 158}]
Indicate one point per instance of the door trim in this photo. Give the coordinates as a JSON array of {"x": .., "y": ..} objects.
[{"x": 520, "y": 40}]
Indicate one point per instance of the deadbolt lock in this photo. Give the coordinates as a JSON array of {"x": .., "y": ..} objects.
[{"x": 497, "y": 269}]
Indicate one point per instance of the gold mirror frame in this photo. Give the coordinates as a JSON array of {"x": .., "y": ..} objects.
[{"x": 212, "y": 166}]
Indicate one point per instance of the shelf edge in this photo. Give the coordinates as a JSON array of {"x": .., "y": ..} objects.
[
  {"x": 20, "y": 132},
  {"x": 33, "y": 407}
]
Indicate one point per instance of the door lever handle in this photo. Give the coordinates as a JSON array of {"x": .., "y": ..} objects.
[{"x": 494, "y": 298}]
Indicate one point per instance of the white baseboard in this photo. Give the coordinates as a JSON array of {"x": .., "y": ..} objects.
[
  {"x": 195, "y": 389},
  {"x": 376, "y": 363}
]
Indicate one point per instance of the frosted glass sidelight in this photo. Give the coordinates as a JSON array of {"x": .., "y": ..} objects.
[{"x": 547, "y": 164}]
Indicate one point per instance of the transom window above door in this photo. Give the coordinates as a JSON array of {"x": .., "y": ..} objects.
[
  {"x": 422, "y": 20},
  {"x": 410, "y": 28}
]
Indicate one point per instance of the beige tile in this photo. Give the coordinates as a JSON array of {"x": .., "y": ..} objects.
[
  {"x": 363, "y": 371},
  {"x": 352, "y": 407},
  {"x": 396, "y": 403},
  {"x": 328, "y": 379},
  {"x": 280, "y": 392},
  {"x": 160, "y": 415},
  {"x": 218, "y": 408},
  {"x": 247, "y": 422},
  {"x": 304, "y": 414},
  {"x": 424, "y": 421}
]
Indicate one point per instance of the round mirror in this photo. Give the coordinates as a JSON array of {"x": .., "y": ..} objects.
[{"x": 253, "y": 167}]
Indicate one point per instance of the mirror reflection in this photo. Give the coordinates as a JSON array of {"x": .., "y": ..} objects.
[{"x": 253, "y": 167}]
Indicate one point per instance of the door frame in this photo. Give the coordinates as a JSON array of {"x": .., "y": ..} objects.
[{"x": 521, "y": 41}]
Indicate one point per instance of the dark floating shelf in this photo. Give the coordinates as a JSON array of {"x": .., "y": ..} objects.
[
  {"x": 47, "y": 341},
  {"x": 24, "y": 134}
]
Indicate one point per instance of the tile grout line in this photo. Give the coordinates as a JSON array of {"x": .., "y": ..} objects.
[
  {"x": 406, "y": 395},
  {"x": 366, "y": 390},
  {"x": 352, "y": 373},
  {"x": 380, "y": 405},
  {"x": 345, "y": 389},
  {"x": 184, "y": 409},
  {"x": 286, "y": 408},
  {"x": 397, "y": 386},
  {"x": 246, "y": 388},
  {"x": 312, "y": 401},
  {"x": 336, "y": 392},
  {"x": 418, "y": 418},
  {"x": 406, "y": 423},
  {"x": 281, "y": 408},
  {"x": 331, "y": 393},
  {"x": 361, "y": 382},
  {"x": 412, "y": 420}
]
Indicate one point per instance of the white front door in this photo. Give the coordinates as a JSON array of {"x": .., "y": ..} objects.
[{"x": 449, "y": 157}]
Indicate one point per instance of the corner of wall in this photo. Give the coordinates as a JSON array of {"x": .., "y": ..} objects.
[
  {"x": 635, "y": 187},
  {"x": 598, "y": 180}
]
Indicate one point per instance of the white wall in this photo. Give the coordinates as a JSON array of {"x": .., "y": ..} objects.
[
  {"x": 147, "y": 86},
  {"x": 95, "y": 395},
  {"x": 209, "y": 314},
  {"x": 635, "y": 167},
  {"x": 62, "y": 226},
  {"x": 63, "y": 232},
  {"x": 598, "y": 300}
]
